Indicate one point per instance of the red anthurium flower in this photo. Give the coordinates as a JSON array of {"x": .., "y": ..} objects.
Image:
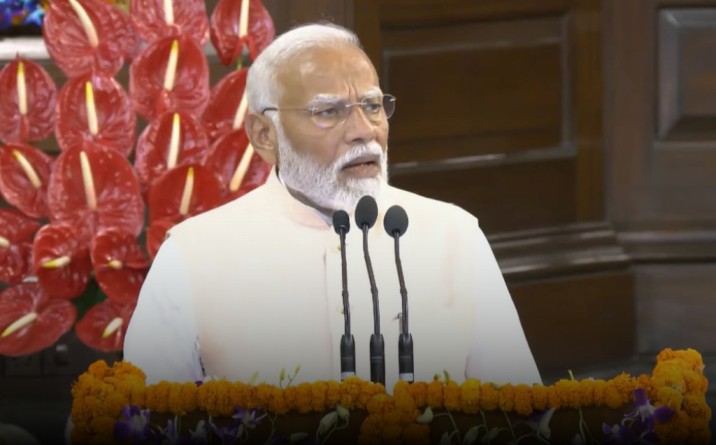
[
  {"x": 61, "y": 260},
  {"x": 95, "y": 108},
  {"x": 173, "y": 139},
  {"x": 171, "y": 74},
  {"x": 240, "y": 168},
  {"x": 25, "y": 177},
  {"x": 16, "y": 233},
  {"x": 226, "y": 20},
  {"x": 94, "y": 190},
  {"x": 157, "y": 233},
  {"x": 28, "y": 94},
  {"x": 227, "y": 105},
  {"x": 155, "y": 19},
  {"x": 30, "y": 321},
  {"x": 184, "y": 191},
  {"x": 120, "y": 265},
  {"x": 87, "y": 35},
  {"x": 103, "y": 326}
]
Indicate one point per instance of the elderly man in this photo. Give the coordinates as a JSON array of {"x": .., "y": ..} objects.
[{"x": 255, "y": 285}]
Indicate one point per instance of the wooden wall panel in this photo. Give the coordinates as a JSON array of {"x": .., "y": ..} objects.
[
  {"x": 687, "y": 74},
  {"x": 497, "y": 196},
  {"x": 675, "y": 308},
  {"x": 478, "y": 88},
  {"x": 583, "y": 321}
]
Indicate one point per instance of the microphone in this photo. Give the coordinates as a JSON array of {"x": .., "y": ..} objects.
[
  {"x": 395, "y": 223},
  {"x": 342, "y": 224},
  {"x": 365, "y": 216}
]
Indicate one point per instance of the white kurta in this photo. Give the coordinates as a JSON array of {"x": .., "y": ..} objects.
[{"x": 255, "y": 286}]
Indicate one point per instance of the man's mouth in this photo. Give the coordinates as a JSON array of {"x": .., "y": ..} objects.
[{"x": 361, "y": 162}]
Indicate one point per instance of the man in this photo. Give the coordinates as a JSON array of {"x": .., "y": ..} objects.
[{"x": 254, "y": 286}]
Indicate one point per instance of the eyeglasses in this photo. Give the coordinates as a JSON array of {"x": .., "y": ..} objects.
[{"x": 330, "y": 114}]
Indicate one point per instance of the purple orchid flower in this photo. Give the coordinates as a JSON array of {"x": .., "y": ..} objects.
[
  {"x": 228, "y": 434},
  {"x": 134, "y": 424},
  {"x": 645, "y": 413},
  {"x": 250, "y": 418}
]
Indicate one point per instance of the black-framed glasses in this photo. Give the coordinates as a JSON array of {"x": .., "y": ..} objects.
[{"x": 331, "y": 113}]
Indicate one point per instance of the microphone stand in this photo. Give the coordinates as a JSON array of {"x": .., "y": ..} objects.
[
  {"x": 396, "y": 224},
  {"x": 377, "y": 344},
  {"x": 348, "y": 349}
]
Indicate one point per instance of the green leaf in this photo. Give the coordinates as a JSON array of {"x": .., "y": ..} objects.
[
  {"x": 297, "y": 437},
  {"x": 426, "y": 416},
  {"x": 343, "y": 413},
  {"x": 327, "y": 422},
  {"x": 91, "y": 296},
  {"x": 471, "y": 435}
]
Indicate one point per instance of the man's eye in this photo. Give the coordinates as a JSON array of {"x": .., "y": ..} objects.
[
  {"x": 325, "y": 112},
  {"x": 371, "y": 107}
]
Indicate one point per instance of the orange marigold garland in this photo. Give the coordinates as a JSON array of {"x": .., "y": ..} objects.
[{"x": 677, "y": 384}]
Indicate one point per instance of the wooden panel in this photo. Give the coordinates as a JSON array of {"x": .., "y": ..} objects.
[
  {"x": 575, "y": 322},
  {"x": 501, "y": 197},
  {"x": 411, "y": 12},
  {"x": 676, "y": 307},
  {"x": 687, "y": 74},
  {"x": 484, "y": 87}
]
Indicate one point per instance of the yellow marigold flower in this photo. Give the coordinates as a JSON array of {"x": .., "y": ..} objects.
[
  {"x": 625, "y": 385},
  {"x": 371, "y": 426},
  {"x": 612, "y": 398},
  {"x": 696, "y": 383},
  {"x": 585, "y": 392},
  {"x": 99, "y": 369},
  {"x": 368, "y": 390},
  {"x": 333, "y": 393},
  {"x": 540, "y": 397},
  {"x": 696, "y": 407},
  {"x": 553, "y": 399},
  {"x": 435, "y": 394},
  {"x": 290, "y": 395},
  {"x": 318, "y": 396},
  {"x": 676, "y": 430},
  {"x": 452, "y": 395},
  {"x": 278, "y": 403},
  {"x": 599, "y": 392},
  {"x": 568, "y": 393},
  {"x": 304, "y": 401},
  {"x": 523, "y": 400},
  {"x": 419, "y": 391},
  {"x": 489, "y": 397},
  {"x": 506, "y": 397},
  {"x": 470, "y": 396},
  {"x": 690, "y": 358},
  {"x": 669, "y": 397},
  {"x": 103, "y": 425},
  {"x": 125, "y": 369},
  {"x": 378, "y": 404}
]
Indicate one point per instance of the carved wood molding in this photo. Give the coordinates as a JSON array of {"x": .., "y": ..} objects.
[
  {"x": 669, "y": 246},
  {"x": 558, "y": 251}
]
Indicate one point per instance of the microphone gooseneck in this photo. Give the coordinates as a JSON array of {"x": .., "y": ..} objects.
[
  {"x": 341, "y": 224},
  {"x": 396, "y": 224},
  {"x": 365, "y": 215}
]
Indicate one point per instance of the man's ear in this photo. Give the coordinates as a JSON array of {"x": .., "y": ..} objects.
[{"x": 262, "y": 134}]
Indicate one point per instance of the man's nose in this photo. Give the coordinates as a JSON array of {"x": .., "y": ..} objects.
[{"x": 359, "y": 129}]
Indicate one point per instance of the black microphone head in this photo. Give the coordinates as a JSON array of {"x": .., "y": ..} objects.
[
  {"x": 366, "y": 212},
  {"x": 395, "y": 221},
  {"x": 341, "y": 221}
]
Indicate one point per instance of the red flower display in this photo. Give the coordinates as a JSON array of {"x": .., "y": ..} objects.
[{"x": 76, "y": 214}]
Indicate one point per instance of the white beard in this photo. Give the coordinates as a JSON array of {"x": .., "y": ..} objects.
[{"x": 320, "y": 185}]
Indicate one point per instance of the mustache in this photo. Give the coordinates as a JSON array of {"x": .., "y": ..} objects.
[{"x": 359, "y": 150}]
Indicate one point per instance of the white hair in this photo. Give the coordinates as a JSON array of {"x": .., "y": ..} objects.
[{"x": 262, "y": 88}]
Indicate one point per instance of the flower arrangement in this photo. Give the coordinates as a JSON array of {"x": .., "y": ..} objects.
[
  {"x": 81, "y": 222},
  {"x": 113, "y": 405}
]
